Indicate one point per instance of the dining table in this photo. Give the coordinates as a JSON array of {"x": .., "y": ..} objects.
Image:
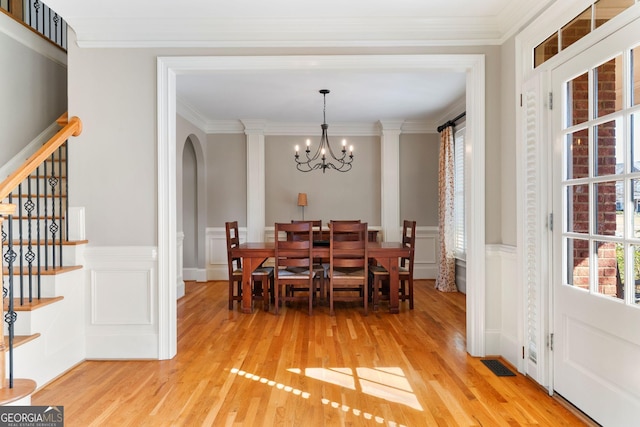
[{"x": 253, "y": 254}]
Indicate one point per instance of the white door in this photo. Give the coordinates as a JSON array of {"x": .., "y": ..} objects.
[{"x": 596, "y": 237}]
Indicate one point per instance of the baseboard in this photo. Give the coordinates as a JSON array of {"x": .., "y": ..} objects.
[{"x": 194, "y": 274}]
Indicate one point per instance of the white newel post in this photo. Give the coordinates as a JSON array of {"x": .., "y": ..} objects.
[
  {"x": 390, "y": 179},
  {"x": 254, "y": 130}
]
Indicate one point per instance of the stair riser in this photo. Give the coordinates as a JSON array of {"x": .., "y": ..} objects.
[
  {"x": 46, "y": 203},
  {"x": 41, "y": 226},
  {"x": 50, "y": 285}
]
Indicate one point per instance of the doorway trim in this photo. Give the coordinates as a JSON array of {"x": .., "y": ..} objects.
[{"x": 168, "y": 68}]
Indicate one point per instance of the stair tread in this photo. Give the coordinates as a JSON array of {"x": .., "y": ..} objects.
[
  {"x": 33, "y": 305},
  {"x": 34, "y": 217},
  {"x": 19, "y": 340},
  {"x": 51, "y": 271},
  {"x": 33, "y": 196},
  {"x": 21, "y": 388}
]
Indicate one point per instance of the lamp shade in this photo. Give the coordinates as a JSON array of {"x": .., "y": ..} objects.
[{"x": 302, "y": 199}]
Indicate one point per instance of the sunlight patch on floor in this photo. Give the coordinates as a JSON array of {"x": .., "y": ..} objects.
[{"x": 334, "y": 373}]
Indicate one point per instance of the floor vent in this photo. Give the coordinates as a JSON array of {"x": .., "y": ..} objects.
[{"x": 498, "y": 368}]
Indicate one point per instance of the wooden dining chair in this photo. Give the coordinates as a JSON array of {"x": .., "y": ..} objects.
[
  {"x": 318, "y": 233},
  {"x": 261, "y": 279},
  {"x": 318, "y": 266},
  {"x": 348, "y": 263},
  {"x": 380, "y": 276},
  {"x": 294, "y": 273}
]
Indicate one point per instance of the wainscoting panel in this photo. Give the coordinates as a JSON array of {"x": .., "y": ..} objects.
[
  {"x": 503, "y": 331},
  {"x": 121, "y": 297},
  {"x": 122, "y": 315},
  {"x": 425, "y": 263}
]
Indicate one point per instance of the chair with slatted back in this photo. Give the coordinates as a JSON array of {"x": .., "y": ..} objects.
[
  {"x": 294, "y": 272},
  {"x": 348, "y": 263},
  {"x": 261, "y": 278},
  {"x": 380, "y": 276},
  {"x": 318, "y": 267}
]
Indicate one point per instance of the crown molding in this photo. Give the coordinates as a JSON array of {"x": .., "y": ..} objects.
[
  {"x": 310, "y": 129},
  {"x": 456, "y": 108},
  {"x": 511, "y": 20},
  {"x": 191, "y": 114},
  {"x": 284, "y": 32}
]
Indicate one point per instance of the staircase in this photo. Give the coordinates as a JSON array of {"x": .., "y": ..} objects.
[{"x": 42, "y": 276}]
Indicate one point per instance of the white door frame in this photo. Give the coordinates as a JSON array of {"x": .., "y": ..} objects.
[{"x": 168, "y": 69}]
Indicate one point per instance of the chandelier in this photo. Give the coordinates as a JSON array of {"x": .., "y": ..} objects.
[{"x": 324, "y": 156}]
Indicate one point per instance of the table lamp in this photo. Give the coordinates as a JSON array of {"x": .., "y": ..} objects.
[{"x": 302, "y": 201}]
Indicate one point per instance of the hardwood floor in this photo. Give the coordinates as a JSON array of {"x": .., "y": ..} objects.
[{"x": 290, "y": 369}]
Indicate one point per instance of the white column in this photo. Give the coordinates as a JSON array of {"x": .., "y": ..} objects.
[
  {"x": 254, "y": 130},
  {"x": 390, "y": 179}
]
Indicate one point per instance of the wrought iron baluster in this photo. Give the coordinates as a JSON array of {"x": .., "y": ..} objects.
[
  {"x": 20, "y": 245},
  {"x": 53, "y": 227},
  {"x": 66, "y": 189},
  {"x": 46, "y": 209},
  {"x": 10, "y": 316},
  {"x": 38, "y": 243},
  {"x": 56, "y": 19},
  {"x": 62, "y": 213},
  {"x": 36, "y": 7},
  {"x": 30, "y": 255}
]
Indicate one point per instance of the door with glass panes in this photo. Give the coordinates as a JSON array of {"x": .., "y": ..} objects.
[{"x": 596, "y": 237}]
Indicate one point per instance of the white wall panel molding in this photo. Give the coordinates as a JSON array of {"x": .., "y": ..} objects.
[
  {"x": 425, "y": 262},
  {"x": 216, "y": 256},
  {"x": 503, "y": 331},
  {"x": 122, "y": 300}
]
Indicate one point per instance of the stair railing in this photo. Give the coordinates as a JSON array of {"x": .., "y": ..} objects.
[
  {"x": 38, "y": 17},
  {"x": 49, "y": 165}
]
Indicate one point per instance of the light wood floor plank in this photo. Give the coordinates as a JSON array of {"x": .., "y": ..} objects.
[{"x": 291, "y": 369}]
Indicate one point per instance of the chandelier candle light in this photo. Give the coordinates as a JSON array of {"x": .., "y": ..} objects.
[{"x": 320, "y": 160}]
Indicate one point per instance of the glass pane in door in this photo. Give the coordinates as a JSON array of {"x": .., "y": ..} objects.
[
  {"x": 578, "y": 263},
  {"x": 635, "y": 197},
  {"x": 635, "y": 250},
  {"x": 578, "y": 208},
  {"x": 609, "y": 151},
  {"x": 578, "y": 100},
  {"x": 608, "y": 280},
  {"x": 608, "y": 87},
  {"x": 577, "y": 146},
  {"x": 606, "y": 214}
]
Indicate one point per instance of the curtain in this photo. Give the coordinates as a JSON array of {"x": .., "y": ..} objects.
[{"x": 446, "y": 280}]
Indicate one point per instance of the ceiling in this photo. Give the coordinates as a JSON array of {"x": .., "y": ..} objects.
[{"x": 357, "y": 96}]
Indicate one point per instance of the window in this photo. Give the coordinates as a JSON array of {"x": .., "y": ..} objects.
[
  {"x": 591, "y": 18},
  {"x": 460, "y": 243}
]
